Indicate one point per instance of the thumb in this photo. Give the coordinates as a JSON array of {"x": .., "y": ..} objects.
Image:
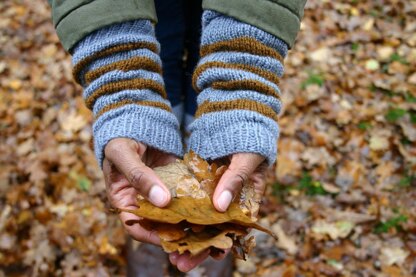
[
  {"x": 124, "y": 155},
  {"x": 242, "y": 166}
]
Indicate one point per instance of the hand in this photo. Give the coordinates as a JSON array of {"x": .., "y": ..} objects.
[
  {"x": 128, "y": 171},
  {"x": 243, "y": 167}
]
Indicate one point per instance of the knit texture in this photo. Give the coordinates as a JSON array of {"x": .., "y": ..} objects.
[
  {"x": 120, "y": 69},
  {"x": 237, "y": 80}
]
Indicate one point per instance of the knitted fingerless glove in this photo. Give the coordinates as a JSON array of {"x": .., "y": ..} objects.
[
  {"x": 239, "y": 99},
  {"x": 120, "y": 69}
]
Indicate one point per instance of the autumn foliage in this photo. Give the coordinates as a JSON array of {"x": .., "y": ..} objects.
[
  {"x": 341, "y": 198},
  {"x": 190, "y": 223}
]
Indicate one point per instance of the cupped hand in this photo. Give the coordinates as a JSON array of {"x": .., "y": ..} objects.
[
  {"x": 128, "y": 172},
  {"x": 243, "y": 167}
]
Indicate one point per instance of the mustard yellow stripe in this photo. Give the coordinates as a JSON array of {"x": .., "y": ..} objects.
[
  {"x": 111, "y": 50},
  {"x": 125, "y": 85},
  {"x": 253, "y": 69},
  {"x": 248, "y": 84},
  {"x": 240, "y": 104},
  {"x": 128, "y": 102},
  {"x": 134, "y": 63},
  {"x": 243, "y": 44}
]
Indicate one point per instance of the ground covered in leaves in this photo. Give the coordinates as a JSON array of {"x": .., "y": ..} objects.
[{"x": 343, "y": 202}]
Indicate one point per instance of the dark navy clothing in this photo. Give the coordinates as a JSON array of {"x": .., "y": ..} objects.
[{"x": 178, "y": 31}]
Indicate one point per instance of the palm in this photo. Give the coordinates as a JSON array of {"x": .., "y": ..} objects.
[{"x": 122, "y": 194}]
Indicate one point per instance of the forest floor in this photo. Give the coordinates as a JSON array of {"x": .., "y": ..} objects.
[{"x": 343, "y": 196}]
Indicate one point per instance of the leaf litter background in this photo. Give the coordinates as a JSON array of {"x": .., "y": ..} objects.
[{"x": 343, "y": 199}]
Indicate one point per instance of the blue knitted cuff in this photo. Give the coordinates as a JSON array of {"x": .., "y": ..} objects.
[
  {"x": 238, "y": 83},
  {"x": 219, "y": 134},
  {"x": 120, "y": 69},
  {"x": 154, "y": 127}
]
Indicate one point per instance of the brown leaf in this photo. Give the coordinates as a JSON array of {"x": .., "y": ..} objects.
[
  {"x": 208, "y": 175},
  {"x": 198, "y": 166},
  {"x": 195, "y": 243},
  {"x": 191, "y": 222},
  {"x": 165, "y": 231},
  {"x": 197, "y": 211}
]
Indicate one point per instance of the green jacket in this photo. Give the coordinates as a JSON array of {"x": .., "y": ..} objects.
[{"x": 74, "y": 19}]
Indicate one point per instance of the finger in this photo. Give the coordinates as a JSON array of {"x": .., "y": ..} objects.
[
  {"x": 241, "y": 167},
  {"x": 136, "y": 231},
  {"x": 186, "y": 262},
  {"x": 125, "y": 157},
  {"x": 173, "y": 258}
]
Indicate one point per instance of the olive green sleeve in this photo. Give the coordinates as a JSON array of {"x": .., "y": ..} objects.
[
  {"x": 74, "y": 19},
  {"x": 277, "y": 17}
]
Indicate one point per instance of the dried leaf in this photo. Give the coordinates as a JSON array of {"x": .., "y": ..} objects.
[
  {"x": 393, "y": 255},
  {"x": 379, "y": 143},
  {"x": 339, "y": 229},
  {"x": 348, "y": 120},
  {"x": 190, "y": 222},
  {"x": 199, "y": 167},
  {"x": 180, "y": 181},
  {"x": 285, "y": 242},
  {"x": 195, "y": 243},
  {"x": 196, "y": 211},
  {"x": 206, "y": 174},
  {"x": 165, "y": 231}
]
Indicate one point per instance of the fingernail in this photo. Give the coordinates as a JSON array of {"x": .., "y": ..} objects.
[
  {"x": 158, "y": 196},
  {"x": 224, "y": 200}
]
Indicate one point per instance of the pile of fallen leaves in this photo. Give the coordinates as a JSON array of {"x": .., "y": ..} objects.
[
  {"x": 341, "y": 198},
  {"x": 190, "y": 223}
]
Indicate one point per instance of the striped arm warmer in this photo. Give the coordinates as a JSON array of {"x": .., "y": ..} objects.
[
  {"x": 239, "y": 98},
  {"x": 120, "y": 69}
]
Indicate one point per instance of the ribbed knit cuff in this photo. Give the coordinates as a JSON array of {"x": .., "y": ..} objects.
[
  {"x": 154, "y": 127},
  {"x": 216, "y": 135},
  {"x": 238, "y": 83},
  {"x": 120, "y": 69}
]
